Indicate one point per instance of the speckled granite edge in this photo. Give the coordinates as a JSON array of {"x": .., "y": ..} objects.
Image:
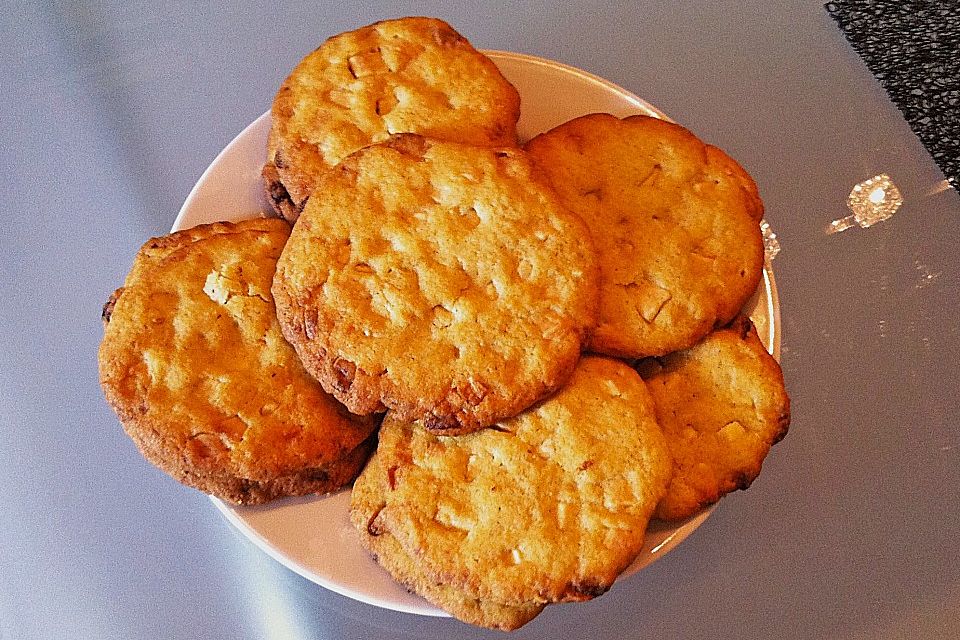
[{"x": 913, "y": 49}]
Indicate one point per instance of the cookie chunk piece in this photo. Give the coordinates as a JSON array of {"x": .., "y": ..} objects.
[
  {"x": 440, "y": 280},
  {"x": 411, "y": 75},
  {"x": 549, "y": 506},
  {"x": 366, "y": 501},
  {"x": 675, "y": 222},
  {"x": 194, "y": 364},
  {"x": 722, "y": 405}
]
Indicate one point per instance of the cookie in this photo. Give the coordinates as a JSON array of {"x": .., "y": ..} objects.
[
  {"x": 722, "y": 404},
  {"x": 194, "y": 364},
  {"x": 675, "y": 222},
  {"x": 550, "y": 506},
  {"x": 411, "y": 75},
  {"x": 440, "y": 280},
  {"x": 366, "y": 500}
]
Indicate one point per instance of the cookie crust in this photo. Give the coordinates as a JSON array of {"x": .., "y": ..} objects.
[
  {"x": 550, "y": 506},
  {"x": 722, "y": 405},
  {"x": 366, "y": 502},
  {"x": 194, "y": 364},
  {"x": 675, "y": 222},
  {"x": 442, "y": 281},
  {"x": 410, "y": 75}
]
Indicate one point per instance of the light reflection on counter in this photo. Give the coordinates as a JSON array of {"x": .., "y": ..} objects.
[{"x": 871, "y": 201}]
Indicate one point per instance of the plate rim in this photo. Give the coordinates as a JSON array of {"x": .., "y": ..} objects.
[
  {"x": 637, "y": 101},
  {"x": 672, "y": 540},
  {"x": 194, "y": 194}
]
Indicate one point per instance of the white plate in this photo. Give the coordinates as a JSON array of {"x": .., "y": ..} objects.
[{"x": 312, "y": 535}]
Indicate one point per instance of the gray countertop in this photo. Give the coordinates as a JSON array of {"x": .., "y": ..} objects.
[{"x": 113, "y": 110}]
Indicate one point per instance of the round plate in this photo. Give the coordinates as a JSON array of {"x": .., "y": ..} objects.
[{"x": 313, "y": 535}]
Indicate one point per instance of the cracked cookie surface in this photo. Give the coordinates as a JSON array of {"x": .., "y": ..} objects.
[
  {"x": 410, "y": 75},
  {"x": 722, "y": 404},
  {"x": 442, "y": 281},
  {"x": 194, "y": 364},
  {"x": 675, "y": 222},
  {"x": 549, "y": 506}
]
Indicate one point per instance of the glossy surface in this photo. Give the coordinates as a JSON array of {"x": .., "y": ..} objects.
[{"x": 114, "y": 110}]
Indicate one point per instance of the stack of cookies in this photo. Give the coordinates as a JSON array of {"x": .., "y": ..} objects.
[{"x": 543, "y": 344}]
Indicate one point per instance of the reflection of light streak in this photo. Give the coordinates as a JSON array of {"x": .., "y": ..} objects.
[
  {"x": 272, "y": 610},
  {"x": 771, "y": 246},
  {"x": 940, "y": 187},
  {"x": 663, "y": 543},
  {"x": 269, "y": 607},
  {"x": 870, "y": 202}
]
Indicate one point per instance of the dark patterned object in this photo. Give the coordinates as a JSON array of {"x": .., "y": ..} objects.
[{"x": 913, "y": 48}]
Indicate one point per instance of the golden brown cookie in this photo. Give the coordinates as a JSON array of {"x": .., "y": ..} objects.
[
  {"x": 675, "y": 222},
  {"x": 411, "y": 75},
  {"x": 194, "y": 364},
  {"x": 442, "y": 281},
  {"x": 550, "y": 506},
  {"x": 722, "y": 405},
  {"x": 366, "y": 500}
]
